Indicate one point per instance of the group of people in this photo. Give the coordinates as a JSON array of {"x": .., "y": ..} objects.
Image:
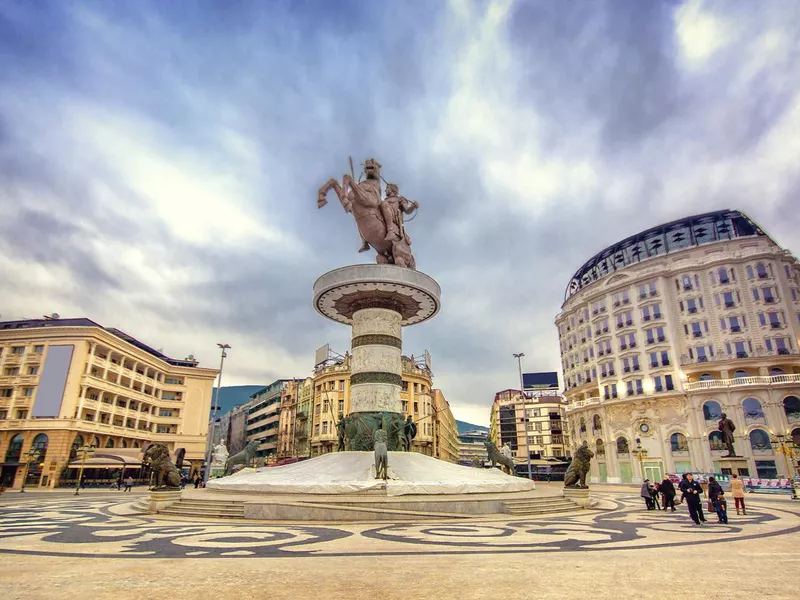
[{"x": 692, "y": 492}]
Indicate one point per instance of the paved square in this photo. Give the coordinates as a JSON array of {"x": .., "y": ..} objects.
[{"x": 62, "y": 546}]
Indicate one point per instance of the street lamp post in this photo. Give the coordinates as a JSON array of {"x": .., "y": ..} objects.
[
  {"x": 641, "y": 454},
  {"x": 30, "y": 455},
  {"x": 85, "y": 451},
  {"x": 786, "y": 447},
  {"x": 519, "y": 356},
  {"x": 214, "y": 409}
]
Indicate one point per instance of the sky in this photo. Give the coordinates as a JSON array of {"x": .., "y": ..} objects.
[{"x": 160, "y": 161}]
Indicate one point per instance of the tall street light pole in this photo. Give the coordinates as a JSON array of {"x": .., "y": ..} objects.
[
  {"x": 524, "y": 413},
  {"x": 214, "y": 409}
]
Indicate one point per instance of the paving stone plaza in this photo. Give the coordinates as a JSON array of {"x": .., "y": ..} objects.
[{"x": 617, "y": 549}]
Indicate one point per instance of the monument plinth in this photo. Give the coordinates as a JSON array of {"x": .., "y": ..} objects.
[{"x": 377, "y": 301}]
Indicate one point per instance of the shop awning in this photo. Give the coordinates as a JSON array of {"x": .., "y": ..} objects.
[{"x": 106, "y": 460}]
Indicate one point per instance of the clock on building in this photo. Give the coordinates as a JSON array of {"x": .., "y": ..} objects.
[{"x": 644, "y": 427}]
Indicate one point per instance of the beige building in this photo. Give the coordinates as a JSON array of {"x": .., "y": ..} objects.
[
  {"x": 446, "y": 443},
  {"x": 664, "y": 331},
  {"x": 546, "y": 425},
  {"x": 332, "y": 398},
  {"x": 294, "y": 424},
  {"x": 66, "y": 383}
]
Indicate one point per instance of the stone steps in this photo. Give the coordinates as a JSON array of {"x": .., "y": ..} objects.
[
  {"x": 538, "y": 506},
  {"x": 218, "y": 509}
]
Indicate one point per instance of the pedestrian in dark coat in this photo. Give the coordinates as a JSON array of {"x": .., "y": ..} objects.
[
  {"x": 668, "y": 493},
  {"x": 693, "y": 492}
]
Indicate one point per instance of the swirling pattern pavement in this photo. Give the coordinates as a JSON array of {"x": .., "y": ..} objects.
[{"x": 90, "y": 527}]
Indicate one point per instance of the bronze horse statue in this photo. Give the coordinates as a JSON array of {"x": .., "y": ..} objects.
[{"x": 379, "y": 221}]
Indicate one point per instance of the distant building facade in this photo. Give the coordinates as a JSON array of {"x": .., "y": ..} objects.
[
  {"x": 263, "y": 418},
  {"x": 664, "y": 331},
  {"x": 67, "y": 383},
  {"x": 445, "y": 429},
  {"x": 471, "y": 448}
]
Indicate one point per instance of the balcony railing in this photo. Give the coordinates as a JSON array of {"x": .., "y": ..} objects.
[{"x": 742, "y": 381}]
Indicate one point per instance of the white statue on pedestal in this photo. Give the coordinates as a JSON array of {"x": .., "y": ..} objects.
[{"x": 220, "y": 454}]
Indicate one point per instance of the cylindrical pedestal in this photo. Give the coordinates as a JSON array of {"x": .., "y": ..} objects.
[
  {"x": 377, "y": 301},
  {"x": 375, "y": 379}
]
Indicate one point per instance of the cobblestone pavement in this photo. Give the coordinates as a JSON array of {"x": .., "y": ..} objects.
[{"x": 45, "y": 542}]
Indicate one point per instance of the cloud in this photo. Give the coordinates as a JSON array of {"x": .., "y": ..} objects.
[{"x": 159, "y": 165}]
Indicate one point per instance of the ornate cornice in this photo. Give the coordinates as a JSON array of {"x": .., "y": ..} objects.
[
  {"x": 377, "y": 339},
  {"x": 376, "y": 377}
]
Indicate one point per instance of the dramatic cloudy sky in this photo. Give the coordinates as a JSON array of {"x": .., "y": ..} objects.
[{"x": 159, "y": 161}]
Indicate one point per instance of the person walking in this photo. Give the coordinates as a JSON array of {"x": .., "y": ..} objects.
[
  {"x": 721, "y": 506},
  {"x": 197, "y": 481},
  {"x": 654, "y": 492},
  {"x": 644, "y": 492},
  {"x": 668, "y": 493},
  {"x": 128, "y": 484},
  {"x": 693, "y": 493},
  {"x": 737, "y": 490},
  {"x": 713, "y": 491}
]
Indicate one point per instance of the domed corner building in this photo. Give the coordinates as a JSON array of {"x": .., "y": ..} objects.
[{"x": 667, "y": 329}]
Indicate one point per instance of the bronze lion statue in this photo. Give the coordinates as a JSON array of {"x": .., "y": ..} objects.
[
  {"x": 165, "y": 473},
  {"x": 579, "y": 467}
]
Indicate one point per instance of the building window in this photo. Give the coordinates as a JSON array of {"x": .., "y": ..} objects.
[
  {"x": 626, "y": 341},
  {"x": 23, "y": 414},
  {"x": 38, "y": 349},
  {"x": 634, "y": 387},
  {"x": 678, "y": 443},
  {"x": 12, "y": 371},
  {"x": 768, "y": 294},
  {"x": 33, "y": 370},
  {"x": 6, "y": 392},
  {"x": 624, "y": 319},
  {"x": 655, "y": 334},
  {"x": 651, "y": 312},
  {"x": 27, "y": 392},
  {"x": 598, "y": 307},
  {"x": 647, "y": 289},
  {"x": 761, "y": 271},
  {"x": 630, "y": 364},
  {"x": 18, "y": 350},
  {"x": 621, "y": 298}
]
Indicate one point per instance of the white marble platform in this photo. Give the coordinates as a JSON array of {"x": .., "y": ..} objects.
[{"x": 353, "y": 473}]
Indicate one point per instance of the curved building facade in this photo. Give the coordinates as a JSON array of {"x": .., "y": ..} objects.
[{"x": 666, "y": 330}]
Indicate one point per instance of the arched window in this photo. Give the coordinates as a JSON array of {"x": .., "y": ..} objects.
[
  {"x": 706, "y": 377},
  {"x": 759, "y": 440},
  {"x": 678, "y": 442},
  {"x": 124, "y": 444},
  {"x": 715, "y": 441},
  {"x": 753, "y": 413},
  {"x": 622, "y": 446},
  {"x": 583, "y": 425},
  {"x": 109, "y": 443},
  {"x": 136, "y": 445},
  {"x": 14, "y": 451},
  {"x": 740, "y": 373},
  {"x": 791, "y": 406},
  {"x": 761, "y": 270},
  {"x": 776, "y": 371},
  {"x": 796, "y": 436},
  {"x": 597, "y": 423},
  {"x": 76, "y": 443},
  {"x": 749, "y": 270},
  {"x": 722, "y": 273},
  {"x": 601, "y": 448},
  {"x": 40, "y": 443},
  {"x": 712, "y": 411},
  {"x": 95, "y": 443}
]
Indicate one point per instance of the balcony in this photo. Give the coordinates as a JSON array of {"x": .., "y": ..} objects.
[
  {"x": 770, "y": 300},
  {"x": 692, "y": 311},
  {"x": 776, "y": 325},
  {"x": 730, "y": 305},
  {"x": 791, "y": 378},
  {"x": 735, "y": 328}
]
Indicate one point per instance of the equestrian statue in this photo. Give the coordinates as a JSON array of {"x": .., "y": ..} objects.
[{"x": 380, "y": 221}]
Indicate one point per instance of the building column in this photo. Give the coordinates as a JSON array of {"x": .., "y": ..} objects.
[{"x": 90, "y": 362}]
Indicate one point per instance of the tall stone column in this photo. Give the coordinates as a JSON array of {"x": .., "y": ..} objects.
[{"x": 377, "y": 301}]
